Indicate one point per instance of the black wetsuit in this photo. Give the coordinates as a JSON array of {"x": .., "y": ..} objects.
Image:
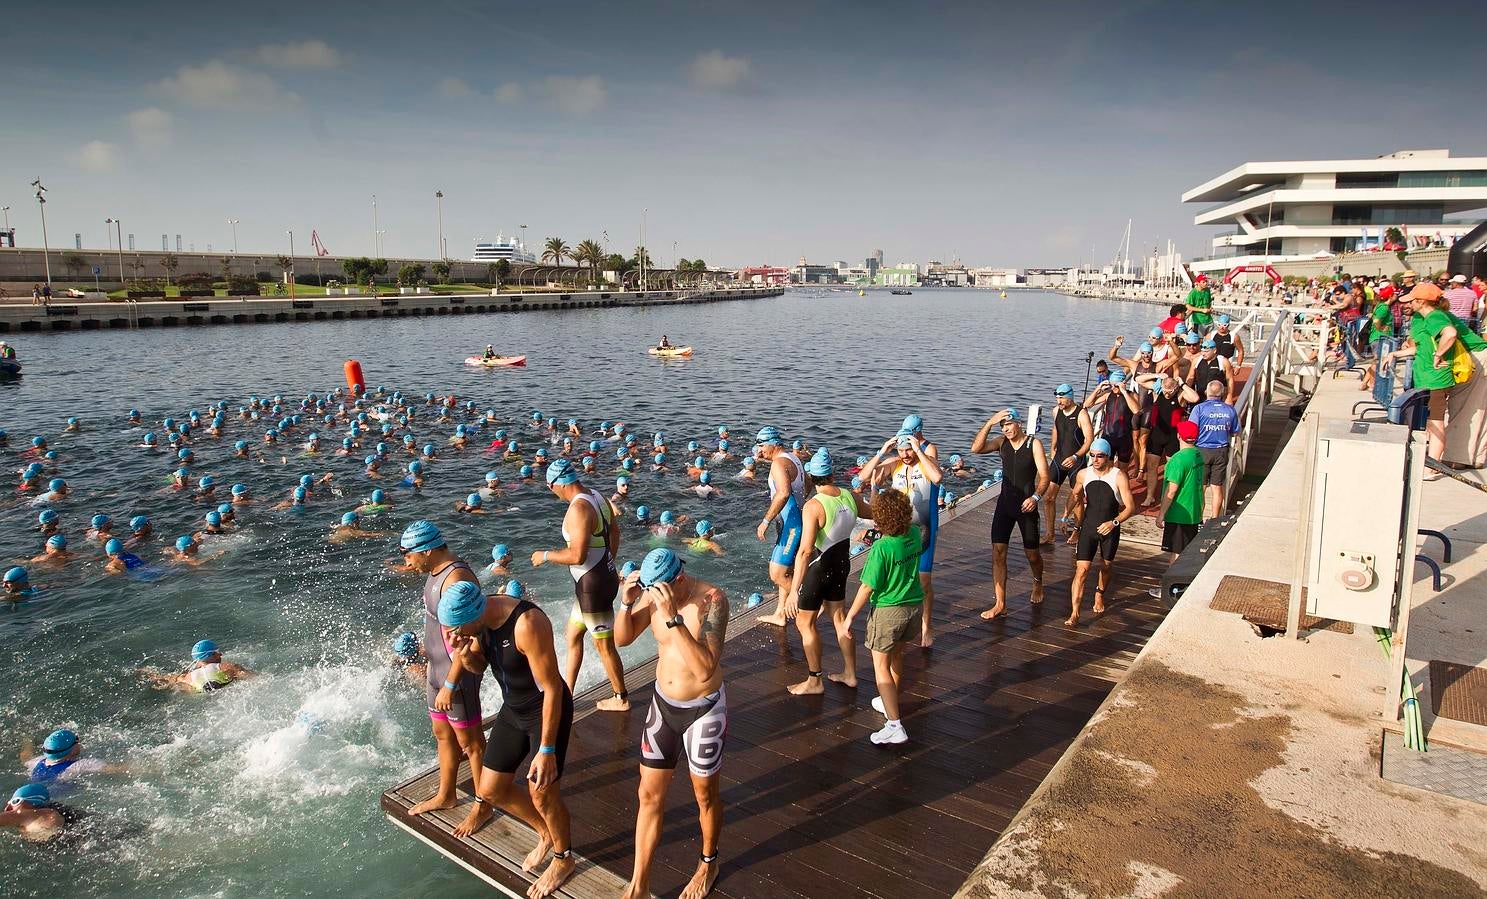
[
  {"x": 1209, "y": 370},
  {"x": 1019, "y": 481},
  {"x": 1069, "y": 439},
  {"x": 1166, "y": 414},
  {"x": 1101, "y": 504},
  {"x": 518, "y": 726},
  {"x": 1225, "y": 344}
]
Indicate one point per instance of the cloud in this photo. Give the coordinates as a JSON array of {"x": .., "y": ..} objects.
[
  {"x": 218, "y": 85},
  {"x": 150, "y": 126},
  {"x": 454, "y": 87},
  {"x": 300, "y": 55},
  {"x": 715, "y": 72},
  {"x": 95, "y": 156},
  {"x": 575, "y": 95},
  {"x": 510, "y": 92}
]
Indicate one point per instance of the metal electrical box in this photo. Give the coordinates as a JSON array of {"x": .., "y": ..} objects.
[{"x": 1360, "y": 484}]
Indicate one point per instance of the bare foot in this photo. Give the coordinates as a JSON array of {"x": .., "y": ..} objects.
[
  {"x": 702, "y": 882},
  {"x": 1099, "y": 602},
  {"x": 926, "y": 639},
  {"x": 1047, "y": 540},
  {"x": 1072, "y": 620},
  {"x": 613, "y": 704},
  {"x": 538, "y": 853},
  {"x": 1037, "y": 592},
  {"x": 479, "y": 815},
  {"x": 554, "y": 877},
  {"x": 635, "y": 890},
  {"x": 846, "y": 680},
  {"x": 777, "y": 619},
  {"x": 811, "y": 686},
  {"x": 994, "y": 612},
  {"x": 432, "y": 804}
]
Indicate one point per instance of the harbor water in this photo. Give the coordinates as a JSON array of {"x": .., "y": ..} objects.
[{"x": 271, "y": 787}]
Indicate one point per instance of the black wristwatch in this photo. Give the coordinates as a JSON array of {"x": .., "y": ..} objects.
[{"x": 675, "y": 620}]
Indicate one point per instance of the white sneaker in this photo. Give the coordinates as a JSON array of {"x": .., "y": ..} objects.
[
  {"x": 892, "y": 732},
  {"x": 878, "y": 706}
]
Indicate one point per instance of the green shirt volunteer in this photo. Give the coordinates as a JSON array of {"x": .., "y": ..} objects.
[
  {"x": 892, "y": 570},
  {"x": 1185, "y": 469}
]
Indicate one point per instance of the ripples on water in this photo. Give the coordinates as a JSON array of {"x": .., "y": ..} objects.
[{"x": 289, "y": 766}]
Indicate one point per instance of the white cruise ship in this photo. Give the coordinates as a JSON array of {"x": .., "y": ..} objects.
[{"x": 501, "y": 248}]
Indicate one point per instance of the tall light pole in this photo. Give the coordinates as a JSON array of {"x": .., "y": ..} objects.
[
  {"x": 234, "y": 224},
  {"x": 376, "y": 251},
  {"x": 523, "y": 237},
  {"x": 119, "y": 226},
  {"x": 381, "y": 241},
  {"x": 291, "y": 263},
  {"x": 7, "y": 217},
  {"x": 46, "y": 250},
  {"x": 439, "y": 196},
  {"x": 643, "y": 252}
]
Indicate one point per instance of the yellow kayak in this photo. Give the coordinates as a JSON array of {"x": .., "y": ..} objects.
[{"x": 670, "y": 352}]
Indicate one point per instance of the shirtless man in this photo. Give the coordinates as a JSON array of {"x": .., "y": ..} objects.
[{"x": 688, "y": 618}]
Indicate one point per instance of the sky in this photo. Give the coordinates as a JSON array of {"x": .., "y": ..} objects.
[{"x": 740, "y": 133}]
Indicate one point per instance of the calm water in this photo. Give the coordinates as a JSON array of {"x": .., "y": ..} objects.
[{"x": 219, "y": 784}]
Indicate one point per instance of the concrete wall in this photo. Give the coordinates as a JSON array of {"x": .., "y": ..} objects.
[{"x": 1423, "y": 261}]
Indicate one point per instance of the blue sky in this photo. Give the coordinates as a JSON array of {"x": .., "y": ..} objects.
[{"x": 751, "y": 133}]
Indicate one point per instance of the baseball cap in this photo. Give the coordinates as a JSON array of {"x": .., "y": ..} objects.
[{"x": 1187, "y": 431}]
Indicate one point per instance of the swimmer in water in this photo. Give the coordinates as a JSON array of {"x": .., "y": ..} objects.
[
  {"x": 100, "y": 528},
  {"x": 55, "y": 553},
  {"x": 73, "y": 426},
  {"x": 473, "y": 505},
  {"x": 748, "y": 473},
  {"x": 705, "y": 541},
  {"x": 621, "y": 491},
  {"x": 373, "y": 466},
  {"x": 61, "y": 759},
  {"x": 240, "y": 449},
  {"x": 527, "y": 473},
  {"x": 573, "y": 429},
  {"x": 586, "y": 465},
  {"x": 408, "y": 657},
  {"x": 415, "y": 475},
  {"x": 350, "y": 528},
  {"x": 47, "y": 522},
  {"x": 959, "y": 468},
  {"x": 31, "y": 812},
  {"x": 18, "y": 585},
  {"x": 697, "y": 467},
  {"x": 208, "y": 672},
  {"x": 670, "y": 524},
  {"x": 140, "y": 530},
  {"x": 704, "y": 488},
  {"x": 492, "y": 487},
  {"x": 500, "y": 565},
  {"x": 375, "y": 504},
  {"x": 242, "y": 495},
  {"x": 722, "y": 454},
  {"x": 297, "y": 499},
  {"x": 187, "y": 550},
  {"x": 56, "y": 489},
  {"x": 206, "y": 490},
  {"x": 120, "y": 559},
  {"x": 459, "y": 439}
]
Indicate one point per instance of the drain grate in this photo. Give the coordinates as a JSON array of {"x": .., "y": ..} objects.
[
  {"x": 1264, "y": 603},
  {"x": 1458, "y": 692},
  {"x": 1444, "y": 769}
]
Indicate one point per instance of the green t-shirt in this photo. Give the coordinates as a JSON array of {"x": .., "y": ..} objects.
[
  {"x": 1423, "y": 331},
  {"x": 1383, "y": 323},
  {"x": 1185, "y": 469},
  {"x": 892, "y": 570},
  {"x": 1201, "y": 299},
  {"x": 1472, "y": 340}
]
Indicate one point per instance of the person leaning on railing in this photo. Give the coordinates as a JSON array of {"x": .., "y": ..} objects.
[{"x": 1450, "y": 362}]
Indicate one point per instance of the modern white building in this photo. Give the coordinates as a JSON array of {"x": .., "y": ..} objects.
[
  {"x": 989, "y": 276},
  {"x": 1282, "y": 211}
]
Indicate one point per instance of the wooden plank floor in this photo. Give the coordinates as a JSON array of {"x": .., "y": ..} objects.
[{"x": 812, "y": 807}]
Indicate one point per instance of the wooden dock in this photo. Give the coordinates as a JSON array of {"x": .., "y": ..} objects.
[{"x": 812, "y": 807}]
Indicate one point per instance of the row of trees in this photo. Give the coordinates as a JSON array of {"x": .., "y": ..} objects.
[{"x": 590, "y": 254}]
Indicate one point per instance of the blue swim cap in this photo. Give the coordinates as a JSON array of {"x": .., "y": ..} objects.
[
  {"x": 1193, "y": 337},
  {"x": 369, "y": 459},
  {"x": 1156, "y": 334},
  {"x": 415, "y": 467},
  {"x": 314, "y": 435},
  {"x": 659, "y": 458},
  {"x": 138, "y": 522},
  {"x": 300, "y": 493},
  {"x": 820, "y": 464},
  {"x": 47, "y": 516},
  {"x": 541, "y": 453},
  {"x": 405, "y": 645},
  {"x": 661, "y": 566},
  {"x": 955, "y": 459},
  {"x": 214, "y": 517},
  {"x": 378, "y": 496},
  {"x": 526, "y": 471},
  {"x": 1180, "y": 328},
  {"x": 691, "y": 446},
  {"x": 659, "y": 439},
  {"x": 628, "y": 465},
  {"x": 428, "y": 449},
  {"x": 1223, "y": 319},
  {"x": 500, "y": 434},
  {"x": 1100, "y": 445},
  {"x": 183, "y": 472},
  {"x": 1117, "y": 377},
  {"x": 769, "y": 436},
  {"x": 134, "y": 413},
  {"x": 409, "y": 439},
  {"x": 630, "y": 440},
  {"x": 699, "y": 462},
  {"x": 913, "y": 424},
  {"x": 723, "y": 444},
  {"x": 1210, "y": 345},
  {"x": 722, "y": 429},
  {"x": 114, "y": 545},
  {"x": 305, "y": 480},
  {"x": 642, "y": 512},
  {"x": 99, "y": 521},
  {"x": 183, "y": 543},
  {"x": 52, "y": 455},
  {"x": 572, "y": 421},
  {"x": 224, "y": 510},
  {"x": 536, "y": 416},
  {"x": 17, "y": 575},
  {"x": 34, "y": 795},
  {"x": 798, "y": 444},
  {"x": 705, "y": 478},
  {"x": 239, "y": 489},
  {"x": 755, "y": 600},
  {"x": 749, "y": 462},
  {"x": 473, "y": 500},
  {"x": 493, "y": 475},
  {"x": 203, "y": 650},
  {"x": 38, "y": 442},
  {"x": 1065, "y": 389},
  {"x": 421, "y": 535},
  {"x": 207, "y": 481},
  {"x": 704, "y": 527},
  {"x": 621, "y": 481},
  {"x": 149, "y": 438},
  {"x": 349, "y": 518},
  {"x": 856, "y": 483},
  {"x": 629, "y": 568},
  {"x": 58, "y": 743},
  {"x": 461, "y": 603},
  {"x": 347, "y": 443},
  {"x": 668, "y": 516},
  {"x": 499, "y": 552},
  {"x": 56, "y": 484},
  {"x": 57, "y": 540},
  {"x": 514, "y": 589},
  {"x": 561, "y": 472},
  {"x": 987, "y": 483},
  {"x": 241, "y": 444},
  {"x": 1014, "y": 415},
  {"x": 1146, "y": 348},
  {"x": 907, "y": 440}
]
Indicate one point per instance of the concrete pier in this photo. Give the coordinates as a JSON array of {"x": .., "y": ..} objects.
[{"x": 90, "y": 316}]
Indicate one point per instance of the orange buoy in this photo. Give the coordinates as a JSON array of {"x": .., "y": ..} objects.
[{"x": 354, "y": 381}]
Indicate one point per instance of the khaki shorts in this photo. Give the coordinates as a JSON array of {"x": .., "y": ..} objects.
[{"x": 891, "y": 625}]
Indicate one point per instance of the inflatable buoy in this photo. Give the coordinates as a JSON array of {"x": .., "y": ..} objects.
[{"x": 354, "y": 381}]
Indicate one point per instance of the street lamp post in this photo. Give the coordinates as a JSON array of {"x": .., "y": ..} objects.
[
  {"x": 7, "y": 217},
  {"x": 376, "y": 250},
  {"x": 119, "y": 226},
  {"x": 643, "y": 252},
  {"x": 291, "y": 263},
  {"x": 46, "y": 250},
  {"x": 439, "y": 196},
  {"x": 234, "y": 224}
]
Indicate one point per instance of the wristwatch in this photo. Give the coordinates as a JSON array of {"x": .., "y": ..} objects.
[{"x": 675, "y": 620}]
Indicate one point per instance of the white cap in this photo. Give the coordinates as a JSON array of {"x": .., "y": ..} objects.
[{"x": 1459, "y": 279}]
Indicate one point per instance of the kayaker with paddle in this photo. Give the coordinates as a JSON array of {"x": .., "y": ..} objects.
[
  {"x": 490, "y": 353},
  {"x": 665, "y": 343}
]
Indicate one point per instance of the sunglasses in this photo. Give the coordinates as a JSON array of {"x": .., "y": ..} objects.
[{"x": 1099, "y": 455}]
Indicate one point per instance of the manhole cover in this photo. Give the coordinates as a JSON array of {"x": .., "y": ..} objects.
[
  {"x": 1458, "y": 692},
  {"x": 1264, "y": 603}
]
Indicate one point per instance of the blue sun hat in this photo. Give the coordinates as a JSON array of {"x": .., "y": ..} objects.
[
  {"x": 561, "y": 472},
  {"x": 421, "y": 536},
  {"x": 405, "y": 645},
  {"x": 203, "y": 650},
  {"x": 820, "y": 464},
  {"x": 461, "y": 603},
  {"x": 660, "y": 566}
]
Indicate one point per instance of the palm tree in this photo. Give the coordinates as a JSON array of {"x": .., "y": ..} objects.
[
  {"x": 556, "y": 250},
  {"x": 591, "y": 254}
]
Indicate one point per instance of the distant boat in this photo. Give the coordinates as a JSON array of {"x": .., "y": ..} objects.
[
  {"x": 862, "y": 293},
  {"x": 902, "y": 293},
  {"x": 1004, "y": 294}
]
